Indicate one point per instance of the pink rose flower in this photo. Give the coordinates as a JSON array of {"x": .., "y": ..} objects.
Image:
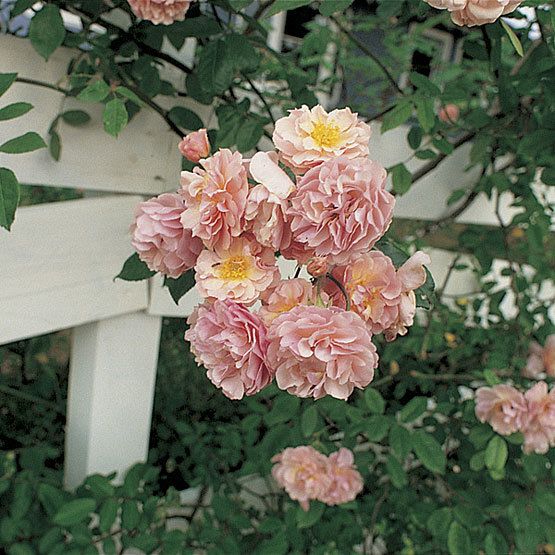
[
  {"x": 241, "y": 272},
  {"x": 449, "y": 113},
  {"x": 475, "y": 12},
  {"x": 539, "y": 429},
  {"x": 195, "y": 146},
  {"x": 216, "y": 196},
  {"x": 319, "y": 351},
  {"x": 230, "y": 342},
  {"x": 317, "y": 266},
  {"x": 346, "y": 481},
  {"x": 503, "y": 407},
  {"x": 341, "y": 208},
  {"x": 541, "y": 359},
  {"x": 160, "y": 239},
  {"x": 160, "y": 11},
  {"x": 308, "y": 137},
  {"x": 286, "y": 295},
  {"x": 412, "y": 275},
  {"x": 303, "y": 473}
]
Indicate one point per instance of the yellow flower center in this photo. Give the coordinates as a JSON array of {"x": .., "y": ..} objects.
[
  {"x": 326, "y": 134},
  {"x": 234, "y": 268},
  {"x": 371, "y": 298}
]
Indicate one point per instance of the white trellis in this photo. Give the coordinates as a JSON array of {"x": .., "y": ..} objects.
[{"x": 58, "y": 263}]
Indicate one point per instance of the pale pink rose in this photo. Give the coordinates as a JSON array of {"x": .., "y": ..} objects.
[
  {"x": 286, "y": 295},
  {"x": 541, "y": 359},
  {"x": 216, "y": 196},
  {"x": 303, "y": 473},
  {"x": 475, "y": 12},
  {"x": 503, "y": 407},
  {"x": 317, "y": 266},
  {"x": 412, "y": 275},
  {"x": 241, "y": 272},
  {"x": 346, "y": 481},
  {"x": 449, "y": 113},
  {"x": 308, "y": 137},
  {"x": 319, "y": 351},
  {"x": 195, "y": 146},
  {"x": 160, "y": 239},
  {"x": 230, "y": 342},
  {"x": 539, "y": 429},
  {"x": 160, "y": 11},
  {"x": 341, "y": 208}
]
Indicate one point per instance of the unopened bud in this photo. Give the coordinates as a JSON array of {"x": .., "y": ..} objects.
[{"x": 317, "y": 266}]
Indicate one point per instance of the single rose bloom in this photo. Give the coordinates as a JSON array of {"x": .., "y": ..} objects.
[
  {"x": 346, "y": 481},
  {"x": 539, "y": 429},
  {"x": 449, "y": 113},
  {"x": 216, "y": 196},
  {"x": 160, "y": 11},
  {"x": 160, "y": 239},
  {"x": 230, "y": 342},
  {"x": 341, "y": 208},
  {"x": 373, "y": 287},
  {"x": 195, "y": 146},
  {"x": 318, "y": 351},
  {"x": 303, "y": 473},
  {"x": 308, "y": 137},
  {"x": 475, "y": 12},
  {"x": 541, "y": 359},
  {"x": 286, "y": 295},
  {"x": 503, "y": 407},
  {"x": 241, "y": 272}
]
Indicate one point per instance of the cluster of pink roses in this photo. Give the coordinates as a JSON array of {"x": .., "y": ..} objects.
[
  {"x": 307, "y": 474},
  {"x": 508, "y": 410},
  {"x": 475, "y": 12},
  {"x": 160, "y": 11},
  {"x": 541, "y": 360},
  {"x": 317, "y": 200}
]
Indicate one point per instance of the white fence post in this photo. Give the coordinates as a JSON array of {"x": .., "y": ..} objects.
[{"x": 111, "y": 390}]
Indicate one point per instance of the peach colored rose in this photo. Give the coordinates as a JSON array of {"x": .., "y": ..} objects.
[
  {"x": 308, "y": 137},
  {"x": 195, "y": 146},
  {"x": 539, "y": 429},
  {"x": 160, "y": 11},
  {"x": 303, "y": 473},
  {"x": 346, "y": 481},
  {"x": 160, "y": 239},
  {"x": 216, "y": 196},
  {"x": 449, "y": 113},
  {"x": 503, "y": 407},
  {"x": 287, "y": 294},
  {"x": 341, "y": 208},
  {"x": 541, "y": 359},
  {"x": 240, "y": 272},
  {"x": 319, "y": 351},
  {"x": 230, "y": 342},
  {"x": 475, "y": 12}
]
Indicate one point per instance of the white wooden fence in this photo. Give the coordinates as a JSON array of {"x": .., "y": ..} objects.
[{"x": 58, "y": 263}]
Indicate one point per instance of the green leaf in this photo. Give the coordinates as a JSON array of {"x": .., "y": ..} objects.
[
  {"x": 495, "y": 543},
  {"x": 9, "y": 197},
  {"x": 424, "y": 84},
  {"x": 548, "y": 176},
  {"x": 47, "y": 31},
  {"x": 414, "y": 137},
  {"x": 545, "y": 500},
  {"x": 50, "y": 498},
  {"x": 95, "y": 92},
  {"x": 400, "y": 440},
  {"x": 55, "y": 145},
  {"x": 20, "y": 549},
  {"x": 134, "y": 269},
  {"x": 429, "y": 452},
  {"x": 74, "y": 512},
  {"x": 76, "y": 118},
  {"x": 25, "y": 143},
  {"x": 180, "y": 286},
  {"x": 284, "y": 5},
  {"x": 458, "y": 540},
  {"x": 402, "y": 179},
  {"x": 515, "y": 41},
  {"x": 425, "y": 113},
  {"x": 401, "y": 113},
  {"x": 309, "y": 419},
  {"x": 20, "y": 6},
  {"x": 216, "y": 66},
  {"x": 329, "y": 7},
  {"x": 130, "y": 515},
  {"x": 249, "y": 133},
  {"x": 246, "y": 58},
  {"x": 22, "y": 500},
  {"x": 99, "y": 485},
  {"x": 49, "y": 540},
  {"x": 6, "y": 81},
  {"x": 396, "y": 472},
  {"x": 115, "y": 117},
  {"x": 374, "y": 400},
  {"x": 130, "y": 95},
  {"x": 413, "y": 409},
  {"x": 14, "y": 110},
  {"x": 377, "y": 427},
  {"x": 107, "y": 514},
  {"x": 306, "y": 519},
  {"x": 478, "y": 461},
  {"x": 496, "y": 453},
  {"x": 439, "y": 521},
  {"x": 185, "y": 118}
]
